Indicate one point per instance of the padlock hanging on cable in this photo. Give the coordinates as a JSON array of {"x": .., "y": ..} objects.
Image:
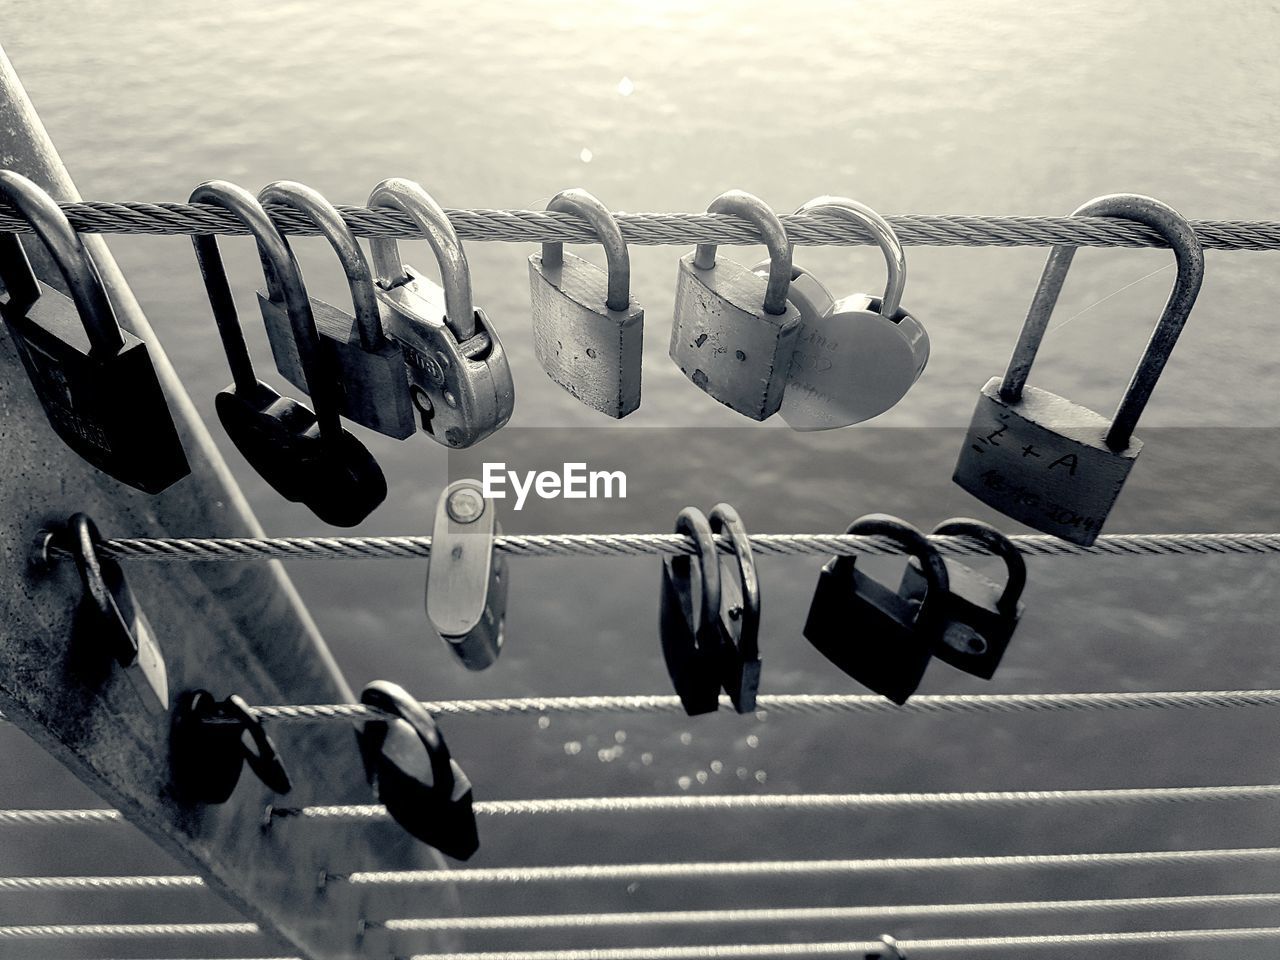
[
  {"x": 739, "y": 613},
  {"x": 95, "y": 381},
  {"x": 306, "y": 457},
  {"x": 1041, "y": 459},
  {"x": 208, "y": 749}
]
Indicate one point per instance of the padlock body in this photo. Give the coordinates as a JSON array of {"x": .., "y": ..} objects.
[
  {"x": 109, "y": 409},
  {"x": 478, "y": 647},
  {"x": 205, "y": 758},
  {"x": 976, "y": 633},
  {"x": 591, "y": 351},
  {"x": 463, "y": 391},
  {"x": 690, "y": 647},
  {"x": 723, "y": 340},
  {"x": 868, "y": 631},
  {"x": 374, "y": 384},
  {"x": 1044, "y": 461},
  {"x": 741, "y": 680}
]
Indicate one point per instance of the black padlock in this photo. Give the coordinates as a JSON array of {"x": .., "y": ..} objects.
[
  {"x": 980, "y": 615},
  {"x": 689, "y": 617},
  {"x": 95, "y": 381},
  {"x": 307, "y": 457},
  {"x": 208, "y": 749},
  {"x": 739, "y": 614},
  {"x": 408, "y": 764},
  {"x": 882, "y": 639}
]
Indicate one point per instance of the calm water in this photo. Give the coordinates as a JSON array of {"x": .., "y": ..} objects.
[{"x": 913, "y": 107}]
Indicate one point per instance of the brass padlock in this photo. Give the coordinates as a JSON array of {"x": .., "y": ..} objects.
[
  {"x": 466, "y": 577},
  {"x": 739, "y": 613},
  {"x": 588, "y": 333},
  {"x": 980, "y": 614},
  {"x": 857, "y": 356},
  {"x": 733, "y": 332},
  {"x": 689, "y": 617},
  {"x": 459, "y": 377},
  {"x": 95, "y": 381},
  {"x": 876, "y": 635},
  {"x": 373, "y": 377},
  {"x": 1043, "y": 460}
]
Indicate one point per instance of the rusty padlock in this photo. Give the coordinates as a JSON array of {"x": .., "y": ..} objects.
[
  {"x": 372, "y": 375},
  {"x": 1043, "y": 460},
  {"x": 460, "y": 380},
  {"x": 588, "y": 333},
  {"x": 734, "y": 332}
]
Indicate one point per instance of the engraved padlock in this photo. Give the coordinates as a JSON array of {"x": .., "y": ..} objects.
[
  {"x": 306, "y": 457},
  {"x": 739, "y": 613},
  {"x": 211, "y": 740},
  {"x": 879, "y": 637},
  {"x": 857, "y": 356},
  {"x": 980, "y": 615},
  {"x": 1039, "y": 458},
  {"x": 460, "y": 381},
  {"x": 733, "y": 331},
  {"x": 95, "y": 381},
  {"x": 588, "y": 333},
  {"x": 466, "y": 577},
  {"x": 372, "y": 375},
  {"x": 408, "y": 764},
  {"x": 689, "y": 618},
  {"x": 109, "y": 618}
]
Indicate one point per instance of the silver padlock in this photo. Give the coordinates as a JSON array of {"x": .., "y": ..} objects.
[
  {"x": 374, "y": 378},
  {"x": 733, "y": 332},
  {"x": 466, "y": 578},
  {"x": 1043, "y": 460},
  {"x": 459, "y": 377},
  {"x": 857, "y": 356},
  {"x": 588, "y": 333}
]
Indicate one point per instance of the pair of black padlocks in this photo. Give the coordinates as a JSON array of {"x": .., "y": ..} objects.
[{"x": 881, "y": 637}]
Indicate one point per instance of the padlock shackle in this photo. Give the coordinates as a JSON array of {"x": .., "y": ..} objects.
[
  {"x": 915, "y": 544},
  {"x": 96, "y": 575},
  {"x": 315, "y": 207},
  {"x": 724, "y": 519},
  {"x": 1001, "y": 546},
  {"x": 693, "y": 523},
  {"x": 1180, "y": 235},
  {"x": 455, "y": 273},
  {"x": 393, "y": 699},
  {"x": 54, "y": 230},
  {"x": 263, "y": 758},
  {"x": 886, "y": 239},
  {"x": 749, "y": 207},
  {"x": 582, "y": 204}
]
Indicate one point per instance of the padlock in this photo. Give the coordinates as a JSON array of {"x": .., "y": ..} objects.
[
  {"x": 1043, "y": 460},
  {"x": 980, "y": 615},
  {"x": 739, "y": 614},
  {"x": 372, "y": 373},
  {"x": 857, "y": 356},
  {"x": 95, "y": 381},
  {"x": 466, "y": 578},
  {"x": 689, "y": 618},
  {"x": 876, "y": 635},
  {"x": 459, "y": 378},
  {"x": 588, "y": 333},
  {"x": 109, "y": 617},
  {"x": 208, "y": 749},
  {"x": 306, "y": 457},
  {"x": 733, "y": 332},
  {"x": 408, "y": 764}
]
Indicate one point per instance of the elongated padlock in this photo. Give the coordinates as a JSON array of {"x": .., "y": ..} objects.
[
  {"x": 739, "y": 614},
  {"x": 733, "y": 332},
  {"x": 95, "y": 381},
  {"x": 372, "y": 376},
  {"x": 109, "y": 617},
  {"x": 588, "y": 333},
  {"x": 459, "y": 378},
  {"x": 208, "y": 749},
  {"x": 1043, "y": 460},
  {"x": 306, "y": 457},
  {"x": 878, "y": 636},
  {"x": 689, "y": 618},
  {"x": 980, "y": 615},
  {"x": 857, "y": 356},
  {"x": 409, "y": 765},
  {"x": 466, "y": 578}
]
